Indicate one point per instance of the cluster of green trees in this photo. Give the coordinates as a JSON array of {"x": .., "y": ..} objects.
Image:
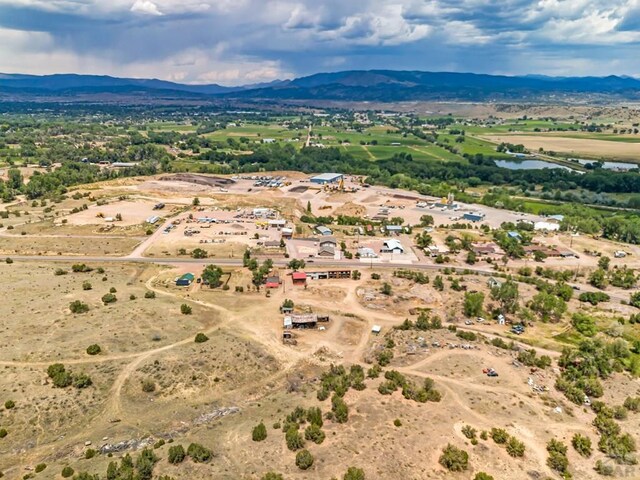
[
  {"x": 395, "y": 380},
  {"x": 260, "y": 272},
  {"x": 423, "y": 323},
  {"x": 211, "y": 275},
  {"x": 339, "y": 380},
  {"x": 62, "y": 378}
]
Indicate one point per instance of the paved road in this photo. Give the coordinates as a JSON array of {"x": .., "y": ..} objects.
[{"x": 319, "y": 263}]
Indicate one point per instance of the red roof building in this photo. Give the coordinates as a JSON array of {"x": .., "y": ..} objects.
[
  {"x": 273, "y": 282},
  {"x": 299, "y": 278}
]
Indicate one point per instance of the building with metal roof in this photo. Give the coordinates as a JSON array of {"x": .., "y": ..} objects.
[
  {"x": 185, "y": 280},
  {"x": 326, "y": 178},
  {"x": 392, "y": 246}
]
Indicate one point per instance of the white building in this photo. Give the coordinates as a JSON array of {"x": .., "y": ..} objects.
[
  {"x": 392, "y": 246},
  {"x": 546, "y": 226},
  {"x": 366, "y": 252}
]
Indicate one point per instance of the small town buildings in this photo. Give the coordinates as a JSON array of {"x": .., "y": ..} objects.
[
  {"x": 546, "y": 226},
  {"x": 327, "y": 252},
  {"x": 484, "y": 249},
  {"x": 123, "y": 164},
  {"x": 549, "y": 252},
  {"x": 366, "y": 252},
  {"x": 277, "y": 223},
  {"x": 272, "y": 244},
  {"x": 397, "y": 229},
  {"x": 515, "y": 235},
  {"x": 262, "y": 212},
  {"x": 328, "y": 241},
  {"x": 324, "y": 231},
  {"x": 273, "y": 282},
  {"x": 306, "y": 320},
  {"x": 474, "y": 216},
  {"x": 326, "y": 178},
  {"x": 392, "y": 246},
  {"x": 287, "y": 232},
  {"x": 329, "y": 274},
  {"x": 299, "y": 278},
  {"x": 376, "y": 329},
  {"x": 185, "y": 280}
]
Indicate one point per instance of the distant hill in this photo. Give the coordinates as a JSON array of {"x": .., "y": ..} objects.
[
  {"x": 106, "y": 84},
  {"x": 387, "y": 85},
  {"x": 357, "y": 85}
]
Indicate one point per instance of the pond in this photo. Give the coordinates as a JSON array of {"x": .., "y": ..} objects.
[
  {"x": 528, "y": 164},
  {"x": 611, "y": 165}
]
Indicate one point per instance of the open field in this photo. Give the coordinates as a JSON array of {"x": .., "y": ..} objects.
[
  {"x": 63, "y": 245},
  {"x": 245, "y": 365},
  {"x": 586, "y": 147}
]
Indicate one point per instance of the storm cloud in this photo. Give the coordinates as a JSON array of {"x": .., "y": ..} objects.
[{"x": 246, "y": 41}]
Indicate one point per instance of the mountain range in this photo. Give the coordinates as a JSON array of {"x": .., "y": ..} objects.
[{"x": 353, "y": 85}]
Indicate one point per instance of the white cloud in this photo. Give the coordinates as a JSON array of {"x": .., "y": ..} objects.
[{"x": 145, "y": 6}]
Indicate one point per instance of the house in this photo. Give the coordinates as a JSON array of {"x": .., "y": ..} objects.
[
  {"x": 328, "y": 242},
  {"x": 328, "y": 251},
  {"x": 366, "y": 252},
  {"x": 376, "y": 329},
  {"x": 268, "y": 140},
  {"x": 397, "y": 229},
  {"x": 185, "y": 280},
  {"x": 299, "y": 278},
  {"x": 474, "y": 216},
  {"x": 392, "y": 246},
  {"x": 287, "y": 232},
  {"x": 433, "y": 250},
  {"x": 324, "y": 231},
  {"x": 494, "y": 282},
  {"x": 483, "y": 249},
  {"x": 273, "y": 282},
  {"x": 546, "y": 226},
  {"x": 514, "y": 235},
  {"x": 326, "y": 178}
]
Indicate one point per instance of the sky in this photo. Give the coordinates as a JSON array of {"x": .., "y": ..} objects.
[{"x": 234, "y": 42}]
